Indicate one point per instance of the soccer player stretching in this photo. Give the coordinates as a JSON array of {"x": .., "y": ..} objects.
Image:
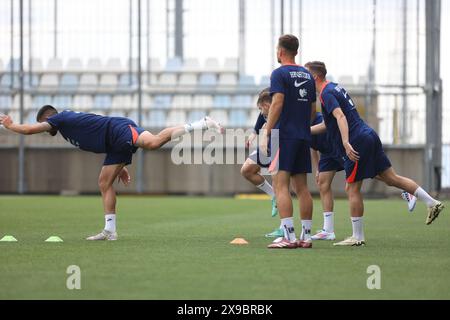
[
  {"x": 293, "y": 95},
  {"x": 118, "y": 137},
  {"x": 361, "y": 150},
  {"x": 326, "y": 165},
  {"x": 252, "y": 166}
]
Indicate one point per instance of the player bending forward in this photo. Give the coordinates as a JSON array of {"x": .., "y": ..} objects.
[
  {"x": 118, "y": 137},
  {"x": 252, "y": 166},
  {"x": 326, "y": 164},
  {"x": 361, "y": 151}
]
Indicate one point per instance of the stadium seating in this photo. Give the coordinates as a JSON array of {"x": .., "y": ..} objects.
[
  {"x": 173, "y": 64},
  {"x": 108, "y": 80},
  {"x": 188, "y": 79},
  {"x": 207, "y": 80},
  {"x": 182, "y": 102},
  {"x": 54, "y": 64},
  {"x": 83, "y": 102},
  {"x": 202, "y": 101},
  {"x": 176, "y": 117},
  {"x": 237, "y": 118},
  {"x": 222, "y": 101},
  {"x": 74, "y": 64},
  {"x": 88, "y": 80},
  {"x": 69, "y": 81},
  {"x": 49, "y": 80},
  {"x": 174, "y": 90},
  {"x": 102, "y": 101}
]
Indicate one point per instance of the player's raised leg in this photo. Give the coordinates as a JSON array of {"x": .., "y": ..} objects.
[
  {"x": 108, "y": 175},
  {"x": 306, "y": 208},
  {"x": 391, "y": 178},
  {"x": 356, "y": 215},
  {"x": 326, "y": 196},
  {"x": 149, "y": 141}
]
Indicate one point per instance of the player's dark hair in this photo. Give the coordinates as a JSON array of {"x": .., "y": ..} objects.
[
  {"x": 264, "y": 97},
  {"x": 289, "y": 42},
  {"x": 42, "y": 111},
  {"x": 318, "y": 68}
]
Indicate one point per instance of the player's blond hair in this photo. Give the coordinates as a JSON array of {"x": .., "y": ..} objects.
[{"x": 318, "y": 68}]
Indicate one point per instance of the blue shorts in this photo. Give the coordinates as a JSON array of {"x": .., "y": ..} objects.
[
  {"x": 329, "y": 163},
  {"x": 293, "y": 156},
  {"x": 372, "y": 159},
  {"x": 121, "y": 137}
]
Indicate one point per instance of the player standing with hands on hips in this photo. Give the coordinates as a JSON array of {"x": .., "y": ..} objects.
[{"x": 292, "y": 109}]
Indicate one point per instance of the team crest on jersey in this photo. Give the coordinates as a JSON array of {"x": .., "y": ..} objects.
[{"x": 303, "y": 93}]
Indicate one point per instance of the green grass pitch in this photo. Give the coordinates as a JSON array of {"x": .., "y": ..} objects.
[{"x": 178, "y": 248}]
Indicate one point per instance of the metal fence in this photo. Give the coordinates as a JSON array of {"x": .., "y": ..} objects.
[{"x": 166, "y": 62}]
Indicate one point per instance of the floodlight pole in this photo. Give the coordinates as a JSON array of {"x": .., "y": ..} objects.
[
  {"x": 300, "y": 31},
  {"x": 433, "y": 89},
  {"x": 30, "y": 44},
  {"x": 272, "y": 33},
  {"x": 130, "y": 41},
  {"x": 11, "y": 60},
  {"x": 140, "y": 155},
  {"x": 55, "y": 31},
  {"x": 404, "y": 126},
  {"x": 21, "y": 182},
  {"x": 241, "y": 37},
  {"x": 148, "y": 43},
  {"x": 179, "y": 52}
]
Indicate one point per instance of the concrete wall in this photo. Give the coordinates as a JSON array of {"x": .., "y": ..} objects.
[{"x": 53, "y": 170}]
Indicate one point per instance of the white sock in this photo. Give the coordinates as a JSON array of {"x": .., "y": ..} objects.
[
  {"x": 288, "y": 228},
  {"x": 425, "y": 197},
  {"x": 357, "y": 225},
  {"x": 328, "y": 222},
  {"x": 197, "y": 125},
  {"x": 306, "y": 230},
  {"x": 110, "y": 222},
  {"x": 267, "y": 188}
]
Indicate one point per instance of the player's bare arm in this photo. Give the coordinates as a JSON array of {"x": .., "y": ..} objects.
[
  {"x": 318, "y": 128},
  {"x": 250, "y": 140},
  {"x": 315, "y": 164},
  {"x": 343, "y": 129},
  {"x": 275, "y": 111},
  {"x": 124, "y": 176},
  {"x": 25, "y": 129},
  {"x": 263, "y": 140},
  {"x": 313, "y": 112}
]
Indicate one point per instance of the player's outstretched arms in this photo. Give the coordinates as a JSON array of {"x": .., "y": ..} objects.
[
  {"x": 25, "y": 129},
  {"x": 318, "y": 128}
]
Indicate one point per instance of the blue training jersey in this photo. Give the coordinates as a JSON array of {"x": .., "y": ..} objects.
[
  {"x": 320, "y": 142},
  {"x": 334, "y": 96},
  {"x": 86, "y": 131},
  {"x": 299, "y": 90}
]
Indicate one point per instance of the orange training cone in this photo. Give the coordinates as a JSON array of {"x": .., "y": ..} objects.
[{"x": 239, "y": 241}]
